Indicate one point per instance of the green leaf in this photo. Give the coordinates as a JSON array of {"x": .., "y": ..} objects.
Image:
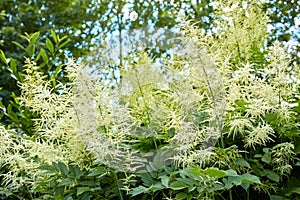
[
  {"x": 178, "y": 185},
  {"x": 276, "y": 197},
  {"x": 242, "y": 162},
  {"x": 139, "y": 190},
  {"x": 147, "y": 179},
  {"x": 2, "y": 56},
  {"x": 215, "y": 172},
  {"x": 193, "y": 172},
  {"x": 66, "y": 182},
  {"x": 64, "y": 44},
  {"x": 81, "y": 190},
  {"x": 33, "y": 38},
  {"x": 44, "y": 55},
  {"x": 97, "y": 172},
  {"x": 58, "y": 69},
  {"x": 54, "y": 36},
  {"x": 31, "y": 51},
  {"x": 267, "y": 158},
  {"x": 19, "y": 45},
  {"x": 293, "y": 191},
  {"x": 156, "y": 187},
  {"x": 249, "y": 178},
  {"x": 63, "y": 168},
  {"x": 49, "y": 45},
  {"x": 232, "y": 181},
  {"x": 271, "y": 175},
  {"x": 188, "y": 181},
  {"x": 181, "y": 195},
  {"x": 165, "y": 180},
  {"x": 13, "y": 65}
]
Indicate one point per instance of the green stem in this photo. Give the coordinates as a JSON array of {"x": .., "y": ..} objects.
[
  {"x": 230, "y": 194},
  {"x": 118, "y": 185}
]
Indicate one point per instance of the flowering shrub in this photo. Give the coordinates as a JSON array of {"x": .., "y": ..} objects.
[{"x": 219, "y": 119}]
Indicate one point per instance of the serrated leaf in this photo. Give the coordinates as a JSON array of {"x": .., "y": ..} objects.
[{"x": 49, "y": 45}]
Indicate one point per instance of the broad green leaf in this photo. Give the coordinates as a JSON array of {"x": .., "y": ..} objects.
[
  {"x": 63, "y": 168},
  {"x": 245, "y": 186},
  {"x": 178, "y": 185},
  {"x": 215, "y": 172},
  {"x": 271, "y": 175},
  {"x": 188, "y": 181},
  {"x": 194, "y": 172},
  {"x": 147, "y": 179},
  {"x": 267, "y": 157},
  {"x": 77, "y": 172},
  {"x": 165, "y": 180},
  {"x": 156, "y": 187},
  {"x": 231, "y": 172},
  {"x": 139, "y": 190},
  {"x": 49, "y": 45},
  {"x": 181, "y": 195},
  {"x": 232, "y": 181},
  {"x": 242, "y": 162},
  {"x": 249, "y": 178}
]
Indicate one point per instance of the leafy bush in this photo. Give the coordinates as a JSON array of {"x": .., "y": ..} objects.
[{"x": 219, "y": 119}]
